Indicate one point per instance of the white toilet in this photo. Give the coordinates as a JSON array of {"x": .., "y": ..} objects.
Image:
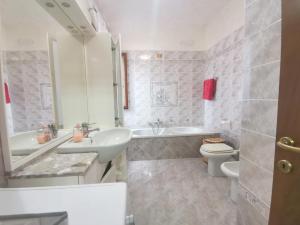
[
  {"x": 216, "y": 155},
  {"x": 231, "y": 169}
]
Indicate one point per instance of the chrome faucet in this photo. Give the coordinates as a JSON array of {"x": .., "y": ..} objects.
[
  {"x": 53, "y": 130},
  {"x": 155, "y": 126},
  {"x": 86, "y": 128}
]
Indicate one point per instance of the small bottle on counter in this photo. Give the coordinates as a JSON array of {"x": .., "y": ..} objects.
[
  {"x": 47, "y": 133},
  {"x": 43, "y": 134},
  {"x": 41, "y": 139},
  {"x": 77, "y": 133}
]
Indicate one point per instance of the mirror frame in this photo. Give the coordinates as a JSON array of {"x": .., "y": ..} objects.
[{"x": 125, "y": 63}]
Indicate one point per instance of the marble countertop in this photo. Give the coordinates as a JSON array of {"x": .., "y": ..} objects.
[
  {"x": 15, "y": 158},
  {"x": 54, "y": 165}
]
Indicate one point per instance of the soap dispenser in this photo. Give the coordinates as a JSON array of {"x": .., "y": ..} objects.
[{"x": 77, "y": 133}]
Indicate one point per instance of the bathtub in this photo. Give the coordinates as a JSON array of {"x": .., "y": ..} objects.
[
  {"x": 171, "y": 132},
  {"x": 167, "y": 143}
]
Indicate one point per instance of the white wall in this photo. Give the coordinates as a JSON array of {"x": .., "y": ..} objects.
[
  {"x": 224, "y": 23},
  {"x": 17, "y": 38},
  {"x": 99, "y": 70}
]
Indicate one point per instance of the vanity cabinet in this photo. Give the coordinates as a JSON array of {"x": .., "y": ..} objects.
[{"x": 63, "y": 169}]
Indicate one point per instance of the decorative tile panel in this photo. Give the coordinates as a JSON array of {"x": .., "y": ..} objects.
[{"x": 164, "y": 94}]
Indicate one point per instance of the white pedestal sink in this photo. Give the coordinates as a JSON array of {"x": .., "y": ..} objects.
[{"x": 107, "y": 143}]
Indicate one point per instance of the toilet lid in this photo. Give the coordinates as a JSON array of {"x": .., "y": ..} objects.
[{"x": 220, "y": 147}]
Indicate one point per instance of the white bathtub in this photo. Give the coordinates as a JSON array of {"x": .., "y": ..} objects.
[{"x": 171, "y": 132}]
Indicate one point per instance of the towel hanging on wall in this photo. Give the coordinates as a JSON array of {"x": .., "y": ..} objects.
[
  {"x": 209, "y": 89},
  {"x": 6, "y": 92}
]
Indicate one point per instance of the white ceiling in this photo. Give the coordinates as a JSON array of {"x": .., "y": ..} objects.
[{"x": 160, "y": 24}]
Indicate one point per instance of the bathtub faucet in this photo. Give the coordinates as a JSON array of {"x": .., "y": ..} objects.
[
  {"x": 156, "y": 123},
  {"x": 155, "y": 126}
]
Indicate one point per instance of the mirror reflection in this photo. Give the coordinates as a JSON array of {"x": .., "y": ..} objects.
[{"x": 35, "y": 77}]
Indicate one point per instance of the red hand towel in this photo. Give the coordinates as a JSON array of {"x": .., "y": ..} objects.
[
  {"x": 7, "y": 97},
  {"x": 209, "y": 89}
]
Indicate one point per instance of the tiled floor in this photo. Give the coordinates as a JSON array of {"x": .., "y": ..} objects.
[{"x": 178, "y": 192}]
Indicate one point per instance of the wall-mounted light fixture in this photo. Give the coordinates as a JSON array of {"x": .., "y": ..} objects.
[
  {"x": 50, "y": 4},
  {"x": 145, "y": 57},
  {"x": 66, "y": 4}
]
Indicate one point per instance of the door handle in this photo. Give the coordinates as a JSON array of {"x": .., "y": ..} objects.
[{"x": 288, "y": 143}]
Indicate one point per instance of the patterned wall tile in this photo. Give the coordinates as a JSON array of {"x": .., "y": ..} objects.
[
  {"x": 260, "y": 116},
  {"x": 264, "y": 47},
  {"x": 258, "y": 148},
  {"x": 261, "y": 81},
  {"x": 257, "y": 180},
  {"x": 261, "y": 14},
  {"x": 226, "y": 63},
  {"x": 184, "y": 68},
  {"x": 26, "y": 71},
  {"x": 250, "y": 210}
]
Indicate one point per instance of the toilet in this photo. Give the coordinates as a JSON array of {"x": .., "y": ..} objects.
[
  {"x": 231, "y": 170},
  {"x": 216, "y": 155}
]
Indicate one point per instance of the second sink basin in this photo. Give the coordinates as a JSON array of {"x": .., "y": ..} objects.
[{"x": 107, "y": 143}]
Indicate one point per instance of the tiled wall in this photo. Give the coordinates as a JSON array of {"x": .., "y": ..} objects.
[
  {"x": 30, "y": 88},
  {"x": 225, "y": 63},
  {"x": 167, "y": 86},
  {"x": 262, "y": 63},
  {"x": 187, "y": 70}
]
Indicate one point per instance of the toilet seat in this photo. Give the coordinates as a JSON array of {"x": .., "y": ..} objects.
[
  {"x": 216, "y": 155},
  {"x": 217, "y": 148}
]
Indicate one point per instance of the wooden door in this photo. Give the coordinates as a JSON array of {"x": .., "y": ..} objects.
[{"x": 285, "y": 205}]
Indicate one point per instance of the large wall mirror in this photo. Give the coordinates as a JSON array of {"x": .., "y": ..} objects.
[{"x": 43, "y": 76}]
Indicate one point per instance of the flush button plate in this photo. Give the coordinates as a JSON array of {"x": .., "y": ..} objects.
[{"x": 285, "y": 166}]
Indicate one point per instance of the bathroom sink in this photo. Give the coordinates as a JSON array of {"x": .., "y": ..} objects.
[
  {"x": 107, "y": 143},
  {"x": 25, "y": 143}
]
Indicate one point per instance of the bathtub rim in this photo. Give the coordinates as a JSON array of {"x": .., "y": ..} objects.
[{"x": 204, "y": 132}]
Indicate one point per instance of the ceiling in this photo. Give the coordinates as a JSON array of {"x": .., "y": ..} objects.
[{"x": 160, "y": 24}]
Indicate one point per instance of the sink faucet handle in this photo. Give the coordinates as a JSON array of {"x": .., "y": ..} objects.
[
  {"x": 85, "y": 128},
  {"x": 87, "y": 124},
  {"x": 53, "y": 129},
  {"x": 159, "y": 122}
]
